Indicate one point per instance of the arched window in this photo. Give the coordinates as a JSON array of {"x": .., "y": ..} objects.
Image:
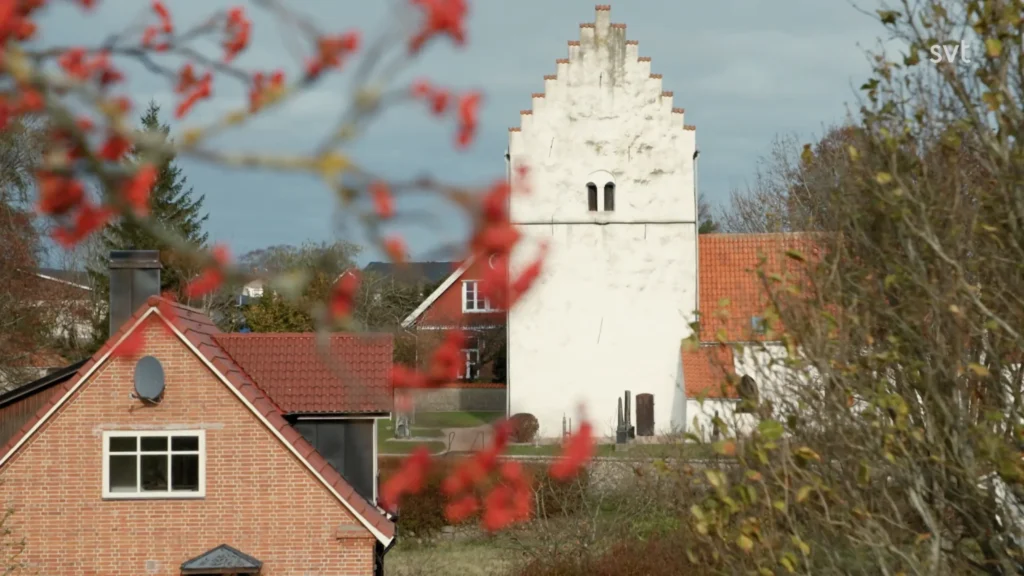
[
  {"x": 592, "y": 197},
  {"x": 609, "y": 197}
]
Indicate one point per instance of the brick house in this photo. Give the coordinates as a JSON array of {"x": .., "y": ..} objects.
[
  {"x": 228, "y": 454},
  {"x": 457, "y": 302}
]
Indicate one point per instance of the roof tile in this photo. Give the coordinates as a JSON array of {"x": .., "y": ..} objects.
[
  {"x": 352, "y": 375},
  {"x": 705, "y": 371},
  {"x": 728, "y": 275}
]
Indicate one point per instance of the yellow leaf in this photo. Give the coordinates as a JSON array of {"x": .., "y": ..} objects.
[
  {"x": 805, "y": 549},
  {"x": 235, "y": 118},
  {"x": 854, "y": 154},
  {"x": 993, "y": 47},
  {"x": 803, "y": 493},
  {"x": 795, "y": 255},
  {"x": 807, "y": 454},
  {"x": 332, "y": 164},
  {"x": 191, "y": 137},
  {"x": 745, "y": 543},
  {"x": 807, "y": 155},
  {"x": 979, "y": 370},
  {"x": 788, "y": 565},
  {"x": 883, "y": 177}
]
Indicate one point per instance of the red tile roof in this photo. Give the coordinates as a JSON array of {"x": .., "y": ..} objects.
[
  {"x": 705, "y": 370},
  {"x": 353, "y": 377},
  {"x": 728, "y": 275},
  {"x": 201, "y": 333}
]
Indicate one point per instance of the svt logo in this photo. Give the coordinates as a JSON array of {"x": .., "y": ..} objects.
[{"x": 950, "y": 53}]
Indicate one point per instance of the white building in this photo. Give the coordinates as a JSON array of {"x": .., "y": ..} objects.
[
  {"x": 612, "y": 170},
  {"x": 613, "y": 195},
  {"x": 612, "y": 177}
]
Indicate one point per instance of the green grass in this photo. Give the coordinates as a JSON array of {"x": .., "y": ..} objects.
[
  {"x": 386, "y": 430},
  {"x": 685, "y": 451},
  {"x": 401, "y": 447},
  {"x": 455, "y": 419},
  {"x": 443, "y": 558}
]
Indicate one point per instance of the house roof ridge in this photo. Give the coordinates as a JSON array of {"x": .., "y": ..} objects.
[{"x": 298, "y": 335}]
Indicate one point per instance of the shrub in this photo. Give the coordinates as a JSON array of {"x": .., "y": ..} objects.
[
  {"x": 422, "y": 514},
  {"x": 523, "y": 427}
]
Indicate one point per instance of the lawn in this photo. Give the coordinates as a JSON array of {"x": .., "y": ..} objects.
[
  {"x": 386, "y": 444},
  {"x": 442, "y": 557},
  {"x": 386, "y": 429},
  {"x": 455, "y": 419},
  {"x": 402, "y": 447},
  {"x": 685, "y": 451}
]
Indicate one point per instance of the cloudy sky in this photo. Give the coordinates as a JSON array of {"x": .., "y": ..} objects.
[{"x": 745, "y": 70}]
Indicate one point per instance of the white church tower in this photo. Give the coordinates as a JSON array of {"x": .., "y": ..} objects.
[{"x": 613, "y": 196}]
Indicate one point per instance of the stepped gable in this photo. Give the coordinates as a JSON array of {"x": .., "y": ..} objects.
[{"x": 601, "y": 27}]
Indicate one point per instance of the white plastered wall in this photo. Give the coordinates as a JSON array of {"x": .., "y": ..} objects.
[{"x": 618, "y": 288}]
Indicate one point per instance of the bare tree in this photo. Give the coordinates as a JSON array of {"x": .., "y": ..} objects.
[{"x": 791, "y": 186}]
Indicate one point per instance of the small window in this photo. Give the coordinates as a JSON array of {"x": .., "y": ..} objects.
[
  {"x": 592, "y": 197},
  {"x": 609, "y": 197},
  {"x": 471, "y": 364},
  {"x": 757, "y": 324},
  {"x": 473, "y": 300},
  {"x": 154, "y": 464}
]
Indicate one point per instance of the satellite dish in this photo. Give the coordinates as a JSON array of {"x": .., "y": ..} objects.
[{"x": 149, "y": 379}]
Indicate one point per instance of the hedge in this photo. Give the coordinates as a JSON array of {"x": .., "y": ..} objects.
[{"x": 422, "y": 514}]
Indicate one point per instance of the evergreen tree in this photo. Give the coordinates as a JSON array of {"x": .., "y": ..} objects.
[{"x": 172, "y": 206}]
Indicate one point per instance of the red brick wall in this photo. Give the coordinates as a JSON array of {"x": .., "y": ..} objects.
[
  {"x": 259, "y": 498},
  {"x": 447, "y": 309}
]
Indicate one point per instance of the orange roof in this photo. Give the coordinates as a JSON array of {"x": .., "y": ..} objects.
[
  {"x": 201, "y": 333},
  {"x": 705, "y": 370},
  {"x": 354, "y": 378},
  {"x": 731, "y": 294}
]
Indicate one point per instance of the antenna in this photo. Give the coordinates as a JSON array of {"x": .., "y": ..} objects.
[{"x": 149, "y": 380}]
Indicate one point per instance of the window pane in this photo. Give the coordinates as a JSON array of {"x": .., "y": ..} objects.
[
  {"x": 185, "y": 443},
  {"x": 123, "y": 443},
  {"x": 154, "y": 473},
  {"x": 185, "y": 472},
  {"x": 123, "y": 473},
  {"x": 154, "y": 443}
]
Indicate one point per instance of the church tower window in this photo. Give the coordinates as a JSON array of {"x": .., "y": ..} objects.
[
  {"x": 592, "y": 197},
  {"x": 609, "y": 197}
]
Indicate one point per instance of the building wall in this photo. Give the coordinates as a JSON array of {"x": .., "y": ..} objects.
[
  {"x": 446, "y": 311},
  {"x": 461, "y": 398},
  {"x": 762, "y": 362},
  {"x": 617, "y": 291},
  {"x": 259, "y": 498}
]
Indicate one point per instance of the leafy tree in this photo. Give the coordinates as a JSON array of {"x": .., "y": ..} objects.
[
  {"x": 173, "y": 206},
  {"x": 331, "y": 258}
]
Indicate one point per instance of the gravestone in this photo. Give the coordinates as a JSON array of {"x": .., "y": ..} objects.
[{"x": 645, "y": 415}]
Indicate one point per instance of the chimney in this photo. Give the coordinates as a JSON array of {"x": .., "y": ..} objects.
[{"x": 134, "y": 277}]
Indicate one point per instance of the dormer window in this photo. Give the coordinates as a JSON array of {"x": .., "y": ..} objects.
[
  {"x": 609, "y": 197},
  {"x": 592, "y": 197}
]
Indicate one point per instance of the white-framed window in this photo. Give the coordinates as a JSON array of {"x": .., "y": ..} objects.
[
  {"x": 470, "y": 364},
  {"x": 473, "y": 300},
  {"x": 154, "y": 464}
]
